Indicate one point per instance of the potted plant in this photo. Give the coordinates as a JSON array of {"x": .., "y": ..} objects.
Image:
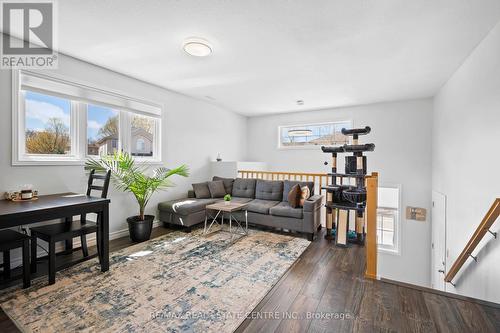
[
  {"x": 129, "y": 176},
  {"x": 227, "y": 199}
]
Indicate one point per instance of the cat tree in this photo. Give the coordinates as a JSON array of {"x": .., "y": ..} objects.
[{"x": 343, "y": 197}]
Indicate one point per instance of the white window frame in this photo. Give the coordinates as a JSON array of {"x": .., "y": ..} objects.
[
  {"x": 80, "y": 94},
  {"x": 396, "y": 248},
  {"x": 281, "y": 147}
]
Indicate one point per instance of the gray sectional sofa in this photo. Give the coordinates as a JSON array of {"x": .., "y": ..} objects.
[{"x": 267, "y": 206}]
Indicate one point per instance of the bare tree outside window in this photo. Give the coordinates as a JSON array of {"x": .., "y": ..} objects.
[{"x": 47, "y": 124}]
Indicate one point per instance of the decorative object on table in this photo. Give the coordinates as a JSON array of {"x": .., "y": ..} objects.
[
  {"x": 227, "y": 199},
  {"x": 219, "y": 159},
  {"x": 134, "y": 289},
  {"x": 24, "y": 195},
  {"x": 27, "y": 192},
  {"x": 129, "y": 176},
  {"x": 11, "y": 195},
  {"x": 341, "y": 198}
]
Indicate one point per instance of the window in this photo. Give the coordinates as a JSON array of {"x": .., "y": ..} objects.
[
  {"x": 47, "y": 127},
  {"x": 140, "y": 144},
  {"x": 388, "y": 219},
  {"x": 102, "y": 130},
  {"x": 303, "y": 136},
  {"x": 62, "y": 122}
]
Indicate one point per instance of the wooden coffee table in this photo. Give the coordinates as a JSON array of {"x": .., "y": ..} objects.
[{"x": 221, "y": 208}]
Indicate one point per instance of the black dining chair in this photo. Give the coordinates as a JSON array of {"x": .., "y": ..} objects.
[
  {"x": 69, "y": 229},
  {"x": 10, "y": 240}
]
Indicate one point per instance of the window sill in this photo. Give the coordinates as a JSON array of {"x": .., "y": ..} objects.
[
  {"x": 26, "y": 161},
  {"x": 69, "y": 162}
]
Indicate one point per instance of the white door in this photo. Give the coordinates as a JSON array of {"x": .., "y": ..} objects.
[{"x": 438, "y": 240}]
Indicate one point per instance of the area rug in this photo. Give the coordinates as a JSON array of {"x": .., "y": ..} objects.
[{"x": 175, "y": 283}]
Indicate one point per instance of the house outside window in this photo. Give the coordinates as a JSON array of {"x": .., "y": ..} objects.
[
  {"x": 142, "y": 134},
  {"x": 62, "y": 122},
  {"x": 388, "y": 218}
]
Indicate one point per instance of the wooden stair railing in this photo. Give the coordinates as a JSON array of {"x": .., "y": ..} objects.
[
  {"x": 319, "y": 179},
  {"x": 322, "y": 179},
  {"x": 371, "y": 246},
  {"x": 483, "y": 228}
]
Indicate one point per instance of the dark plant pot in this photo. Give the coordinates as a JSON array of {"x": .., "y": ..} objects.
[{"x": 140, "y": 230}]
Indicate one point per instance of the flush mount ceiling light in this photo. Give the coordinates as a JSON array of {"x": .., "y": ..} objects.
[
  {"x": 299, "y": 132},
  {"x": 197, "y": 47}
]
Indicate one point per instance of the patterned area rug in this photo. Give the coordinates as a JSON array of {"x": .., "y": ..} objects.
[{"x": 175, "y": 283}]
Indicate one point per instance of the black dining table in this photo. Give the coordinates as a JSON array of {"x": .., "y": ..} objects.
[{"x": 60, "y": 206}]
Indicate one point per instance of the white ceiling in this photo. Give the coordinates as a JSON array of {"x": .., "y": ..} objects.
[{"x": 270, "y": 53}]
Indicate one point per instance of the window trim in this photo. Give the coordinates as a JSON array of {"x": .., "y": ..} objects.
[
  {"x": 396, "y": 249},
  {"x": 307, "y": 147},
  {"x": 78, "y": 131}
]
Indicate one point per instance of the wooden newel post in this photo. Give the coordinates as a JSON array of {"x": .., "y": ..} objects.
[{"x": 371, "y": 225}]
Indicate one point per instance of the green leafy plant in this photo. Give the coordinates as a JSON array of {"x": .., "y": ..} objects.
[
  {"x": 227, "y": 197},
  {"x": 129, "y": 176}
]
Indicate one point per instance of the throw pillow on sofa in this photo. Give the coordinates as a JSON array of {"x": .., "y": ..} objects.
[
  {"x": 201, "y": 190},
  {"x": 217, "y": 189},
  {"x": 228, "y": 183},
  {"x": 305, "y": 194},
  {"x": 294, "y": 196}
]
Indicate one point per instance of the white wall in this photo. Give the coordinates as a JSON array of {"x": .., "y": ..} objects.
[
  {"x": 193, "y": 133},
  {"x": 466, "y": 162},
  {"x": 401, "y": 132}
]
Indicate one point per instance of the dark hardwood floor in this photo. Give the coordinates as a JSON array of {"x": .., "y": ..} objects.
[{"x": 325, "y": 291}]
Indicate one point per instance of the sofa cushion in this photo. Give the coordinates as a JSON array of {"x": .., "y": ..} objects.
[
  {"x": 185, "y": 206},
  {"x": 228, "y": 183},
  {"x": 288, "y": 184},
  {"x": 269, "y": 190},
  {"x": 284, "y": 209},
  {"x": 244, "y": 188},
  {"x": 261, "y": 206},
  {"x": 217, "y": 189},
  {"x": 240, "y": 200},
  {"x": 201, "y": 190}
]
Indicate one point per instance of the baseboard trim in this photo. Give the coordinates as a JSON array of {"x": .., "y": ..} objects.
[{"x": 442, "y": 293}]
